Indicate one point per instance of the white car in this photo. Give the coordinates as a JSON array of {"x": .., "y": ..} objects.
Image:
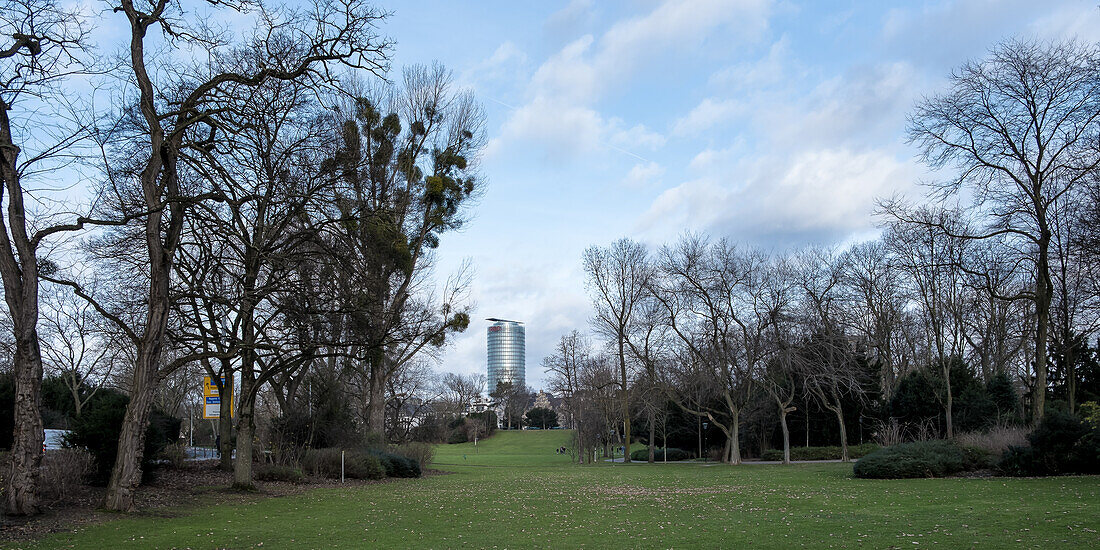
[{"x": 54, "y": 439}]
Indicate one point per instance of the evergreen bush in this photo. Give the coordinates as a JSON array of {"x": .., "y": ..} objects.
[{"x": 913, "y": 460}]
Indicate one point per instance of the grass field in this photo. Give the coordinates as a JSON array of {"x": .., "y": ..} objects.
[{"x": 513, "y": 491}]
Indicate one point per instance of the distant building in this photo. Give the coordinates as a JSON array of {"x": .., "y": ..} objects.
[
  {"x": 543, "y": 400},
  {"x": 507, "y": 354}
]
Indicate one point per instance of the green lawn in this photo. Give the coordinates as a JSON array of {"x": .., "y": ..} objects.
[{"x": 514, "y": 491}]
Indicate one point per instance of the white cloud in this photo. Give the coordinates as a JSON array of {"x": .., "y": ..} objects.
[
  {"x": 866, "y": 106},
  {"x": 644, "y": 174},
  {"x": 564, "y": 128},
  {"x": 707, "y": 114},
  {"x": 559, "y": 126},
  {"x": 637, "y": 136},
  {"x": 767, "y": 71},
  {"x": 816, "y": 195},
  {"x": 560, "y": 111}
]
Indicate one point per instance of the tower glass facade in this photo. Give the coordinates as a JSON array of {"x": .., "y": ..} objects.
[{"x": 507, "y": 354}]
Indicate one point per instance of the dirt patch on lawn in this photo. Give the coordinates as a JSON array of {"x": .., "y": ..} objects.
[{"x": 172, "y": 492}]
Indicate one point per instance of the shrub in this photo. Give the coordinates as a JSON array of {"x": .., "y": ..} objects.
[
  {"x": 820, "y": 453},
  {"x": 674, "y": 454},
  {"x": 1060, "y": 444},
  {"x": 912, "y": 460},
  {"x": 396, "y": 465},
  {"x": 278, "y": 472},
  {"x": 98, "y": 427},
  {"x": 62, "y": 471},
  {"x": 458, "y": 435},
  {"x": 995, "y": 440},
  {"x": 174, "y": 454},
  {"x": 422, "y": 453},
  {"x": 357, "y": 465}
]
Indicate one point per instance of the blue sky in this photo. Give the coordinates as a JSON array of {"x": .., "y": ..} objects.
[{"x": 772, "y": 123}]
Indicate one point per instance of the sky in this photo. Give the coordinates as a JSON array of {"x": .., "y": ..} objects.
[{"x": 775, "y": 124}]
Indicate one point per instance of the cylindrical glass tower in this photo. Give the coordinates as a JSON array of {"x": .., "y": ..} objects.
[{"x": 507, "y": 354}]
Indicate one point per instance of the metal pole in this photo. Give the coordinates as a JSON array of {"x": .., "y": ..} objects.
[{"x": 341, "y": 466}]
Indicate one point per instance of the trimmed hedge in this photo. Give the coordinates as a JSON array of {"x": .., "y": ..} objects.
[
  {"x": 820, "y": 453},
  {"x": 674, "y": 454},
  {"x": 914, "y": 460}
]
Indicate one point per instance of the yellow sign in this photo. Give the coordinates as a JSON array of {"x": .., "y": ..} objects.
[{"x": 211, "y": 407}]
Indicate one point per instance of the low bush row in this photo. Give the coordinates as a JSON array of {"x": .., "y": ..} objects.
[
  {"x": 920, "y": 459},
  {"x": 820, "y": 453},
  {"x": 674, "y": 454},
  {"x": 355, "y": 464},
  {"x": 1061, "y": 444}
]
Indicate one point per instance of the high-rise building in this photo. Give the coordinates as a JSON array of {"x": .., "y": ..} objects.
[{"x": 507, "y": 354}]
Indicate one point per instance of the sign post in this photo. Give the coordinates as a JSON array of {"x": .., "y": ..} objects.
[{"x": 211, "y": 408}]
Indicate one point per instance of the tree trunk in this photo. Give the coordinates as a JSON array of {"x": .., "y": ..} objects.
[
  {"x": 843, "y": 434},
  {"x": 20, "y": 279},
  {"x": 126, "y": 473},
  {"x": 376, "y": 399},
  {"x": 652, "y": 437},
  {"x": 242, "y": 466},
  {"x": 225, "y": 421},
  {"x": 21, "y": 486},
  {"x": 1043, "y": 295},
  {"x": 949, "y": 403},
  {"x": 735, "y": 439},
  {"x": 699, "y": 435},
  {"x": 786, "y": 434},
  {"x": 626, "y": 402},
  {"x": 1071, "y": 374},
  {"x": 806, "y": 407}
]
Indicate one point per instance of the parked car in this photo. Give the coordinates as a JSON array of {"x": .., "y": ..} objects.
[{"x": 55, "y": 439}]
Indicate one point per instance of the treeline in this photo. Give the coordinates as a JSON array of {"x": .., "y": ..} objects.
[
  {"x": 975, "y": 307},
  {"x": 261, "y": 206}
]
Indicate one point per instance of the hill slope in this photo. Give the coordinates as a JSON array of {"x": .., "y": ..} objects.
[{"x": 507, "y": 448}]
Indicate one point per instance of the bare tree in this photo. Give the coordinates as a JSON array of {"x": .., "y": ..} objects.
[
  {"x": 172, "y": 116},
  {"x": 827, "y": 363},
  {"x": 1021, "y": 129},
  {"x": 717, "y": 308},
  {"x": 78, "y": 349},
  {"x": 458, "y": 390},
  {"x": 932, "y": 259},
  {"x": 618, "y": 280},
  {"x": 564, "y": 369},
  {"x": 47, "y": 45}
]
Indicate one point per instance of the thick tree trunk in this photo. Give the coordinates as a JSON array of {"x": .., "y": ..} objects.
[
  {"x": 735, "y": 439},
  {"x": 376, "y": 401},
  {"x": 126, "y": 474},
  {"x": 246, "y": 427},
  {"x": 21, "y": 484}
]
